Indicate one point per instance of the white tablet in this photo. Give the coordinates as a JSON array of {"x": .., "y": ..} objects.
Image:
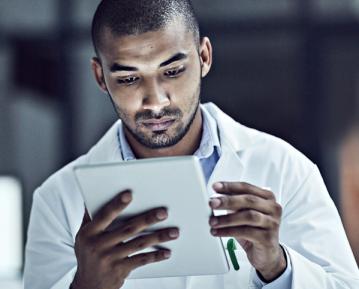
[{"x": 176, "y": 183}]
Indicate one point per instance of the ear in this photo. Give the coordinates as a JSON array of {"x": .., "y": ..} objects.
[
  {"x": 98, "y": 73},
  {"x": 205, "y": 53}
]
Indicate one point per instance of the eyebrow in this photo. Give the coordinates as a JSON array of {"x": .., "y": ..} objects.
[
  {"x": 118, "y": 67},
  {"x": 176, "y": 57}
]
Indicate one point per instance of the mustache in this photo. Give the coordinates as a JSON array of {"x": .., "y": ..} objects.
[{"x": 148, "y": 114}]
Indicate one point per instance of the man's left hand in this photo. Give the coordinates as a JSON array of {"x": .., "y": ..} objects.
[{"x": 254, "y": 221}]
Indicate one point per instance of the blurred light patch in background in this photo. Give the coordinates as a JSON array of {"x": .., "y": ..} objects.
[{"x": 11, "y": 230}]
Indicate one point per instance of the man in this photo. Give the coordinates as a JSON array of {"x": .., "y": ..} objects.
[{"x": 150, "y": 61}]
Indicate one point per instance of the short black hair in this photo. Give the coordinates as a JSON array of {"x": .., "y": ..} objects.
[{"x": 133, "y": 17}]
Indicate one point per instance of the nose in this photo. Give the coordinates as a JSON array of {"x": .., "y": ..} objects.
[{"x": 155, "y": 97}]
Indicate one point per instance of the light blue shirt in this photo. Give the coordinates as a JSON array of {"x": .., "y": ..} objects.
[{"x": 208, "y": 152}]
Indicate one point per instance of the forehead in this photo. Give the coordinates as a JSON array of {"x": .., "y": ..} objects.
[{"x": 147, "y": 47}]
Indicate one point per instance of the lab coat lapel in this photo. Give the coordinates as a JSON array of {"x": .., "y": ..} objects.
[
  {"x": 107, "y": 149},
  {"x": 228, "y": 168}
]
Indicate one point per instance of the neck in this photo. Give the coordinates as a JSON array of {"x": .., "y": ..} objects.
[{"x": 186, "y": 146}]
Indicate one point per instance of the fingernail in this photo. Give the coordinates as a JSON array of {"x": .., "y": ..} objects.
[
  {"x": 167, "y": 254},
  {"x": 126, "y": 197},
  {"x": 217, "y": 186},
  {"x": 161, "y": 215},
  {"x": 215, "y": 203},
  {"x": 213, "y": 221},
  {"x": 173, "y": 233},
  {"x": 214, "y": 231}
]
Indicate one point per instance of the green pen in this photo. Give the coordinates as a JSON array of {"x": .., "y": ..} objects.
[{"x": 231, "y": 247}]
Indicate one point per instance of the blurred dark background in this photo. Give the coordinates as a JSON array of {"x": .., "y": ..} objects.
[{"x": 287, "y": 67}]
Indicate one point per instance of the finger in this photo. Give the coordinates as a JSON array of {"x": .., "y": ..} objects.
[
  {"x": 134, "y": 226},
  {"x": 143, "y": 259},
  {"x": 240, "y": 188},
  {"x": 109, "y": 212},
  {"x": 242, "y": 202},
  {"x": 139, "y": 243},
  {"x": 245, "y": 218},
  {"x": 252, "y": 234}
]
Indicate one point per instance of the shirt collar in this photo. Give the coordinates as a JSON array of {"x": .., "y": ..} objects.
[
  {"x": 127, "y": 153},
  {"x": 209, "y": 141}
]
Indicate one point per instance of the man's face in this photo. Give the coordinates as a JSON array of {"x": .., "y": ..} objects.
[{"x": 154, "y": 82}]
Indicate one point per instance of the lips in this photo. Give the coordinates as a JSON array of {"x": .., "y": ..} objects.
[{"x": 158, "y": 124}]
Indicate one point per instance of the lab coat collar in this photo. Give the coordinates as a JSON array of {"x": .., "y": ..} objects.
[
  {"x": 107, "y": 149},
  {"x": 232, "y": 134}
]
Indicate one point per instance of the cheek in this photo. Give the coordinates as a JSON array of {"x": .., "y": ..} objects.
[
  {"x": 185, "y": 89},
  {"x": 125, "y": 100}
]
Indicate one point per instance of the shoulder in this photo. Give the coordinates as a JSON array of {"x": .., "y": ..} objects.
[
  {"x": 276, "y": 151},
  {"x": 62, "y": 186}
]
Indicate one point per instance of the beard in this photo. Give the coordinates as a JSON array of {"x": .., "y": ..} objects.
[
  {"x": 165, "y": 138},
  {"x": 162, "y": 139}
]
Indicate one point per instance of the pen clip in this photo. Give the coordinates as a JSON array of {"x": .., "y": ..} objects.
[{"x": 231, "y": 247}]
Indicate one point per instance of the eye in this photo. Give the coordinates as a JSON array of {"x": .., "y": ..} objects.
[
  {"x": 172, "y": 73},
  {"x": 128, "y": 80}
]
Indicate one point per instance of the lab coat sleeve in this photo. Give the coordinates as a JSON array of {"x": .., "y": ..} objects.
[
  {"x": 50, "y": 261},
  {"x": 315, "y": 240}
]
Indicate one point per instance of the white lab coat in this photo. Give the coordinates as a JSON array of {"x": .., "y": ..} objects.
[{"x": 311, "y": 229}]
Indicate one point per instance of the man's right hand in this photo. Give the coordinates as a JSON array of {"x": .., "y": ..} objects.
[{"x": 103, "y": 256}]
